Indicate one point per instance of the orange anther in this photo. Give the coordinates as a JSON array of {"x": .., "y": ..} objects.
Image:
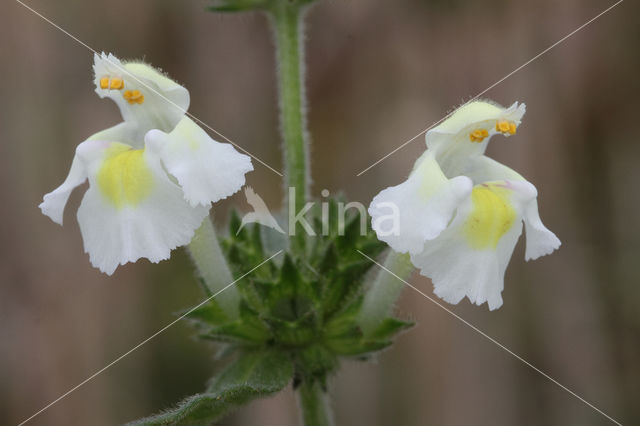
[
  {"x": 502, "y": 126},
  {"x": 133, "y": 96},
  {"x": 478, "y": 135},
  {"x": 116, "y": 83}
]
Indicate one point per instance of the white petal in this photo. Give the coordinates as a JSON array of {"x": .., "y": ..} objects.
[
  {"x": 116, "y": 234},
  {"x": 207, "y": 170},
  {"x": 484, "y": 169},
  {"x": 55, "y": 201},
  {"x": 125, "y": 132},
  {"x": 461, "y": 264},
  {"x": 540, "y": 241},
  {"x": 457, "y": 270},
  {"x": 419, "y": 209},
  {"x": 165, "y": 102}
]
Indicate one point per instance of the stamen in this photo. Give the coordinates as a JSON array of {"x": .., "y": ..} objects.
[
  {"x": 133, "y": 96},
  {"x": 505, "y": 126},
  {"x": 478, "y": 135},
  {"x": 116, "y": 83}
]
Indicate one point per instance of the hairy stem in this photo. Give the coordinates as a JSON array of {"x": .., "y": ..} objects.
[
  {"x": 287, "y": 20},
  {"x": 213, "y": 268},
  {"x": 314, "y": 407},
  {"x": 383, "y": 294}
]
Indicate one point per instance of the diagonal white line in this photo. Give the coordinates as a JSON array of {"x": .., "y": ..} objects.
[
  {"x": 150, "y": 88},
  {"x": 491, "y": 339},
  {"x": 163, "y": 329},
  {"x": 492, "y": 86}
]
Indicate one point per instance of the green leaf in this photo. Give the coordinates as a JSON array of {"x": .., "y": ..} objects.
[
  {"x": 389, "y": 328},
  {"x": 345, "y": 285},
  {"x": 273, "y": 241},
  {"x": 256, "y": 240},
  {"x": 304, "y": 303},
  {"x": 251, "y": 376},
  {"x": 315, "y": 363},
  {"x": 345, "y": 322},
  {"x": 293, "y": 333},
  {"x": 236, "y": 5},
  {"x": 247, "y": 330},
  {"x": 372, "y": 247},
  {"x": 268, "y": 369},
  {"x": 329, "y": 259},
  {"x": 209, "y": 314},
  {"x": 352, "y": 347},
  {"x": 351, "y": 232},
  {"x": 234, "y": 223},
  {"x": 289, "y": 276}
]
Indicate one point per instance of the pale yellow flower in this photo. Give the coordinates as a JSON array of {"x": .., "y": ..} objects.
[
  {"x": 460, "y": 213},
  {"x": 152, "y": 178}
]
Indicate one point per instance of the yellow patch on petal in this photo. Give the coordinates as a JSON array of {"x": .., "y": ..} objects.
[
  {"x": 125, "y": 179},
  {"x": 492, "y": 216}
]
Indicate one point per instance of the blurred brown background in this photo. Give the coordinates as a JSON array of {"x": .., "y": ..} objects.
[{"x": 379, "y": 72}]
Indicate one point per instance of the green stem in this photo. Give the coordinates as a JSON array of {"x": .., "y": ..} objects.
[
  {"x": 213, "y": 268},
  {"x": 383, "y": 294},
  {"x": 287, "y": 19},
  {"x": 314, "y": 405}
]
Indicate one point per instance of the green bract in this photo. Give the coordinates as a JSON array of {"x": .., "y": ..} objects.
[{"x": 298, "y": 316}]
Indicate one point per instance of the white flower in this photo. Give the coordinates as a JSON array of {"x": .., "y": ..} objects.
[
  {"x": 152, "y": 178},
  {"x": 460, "y": 213}
]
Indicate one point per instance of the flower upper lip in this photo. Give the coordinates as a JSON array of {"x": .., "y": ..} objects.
[{"x": 147, "y": 99}]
